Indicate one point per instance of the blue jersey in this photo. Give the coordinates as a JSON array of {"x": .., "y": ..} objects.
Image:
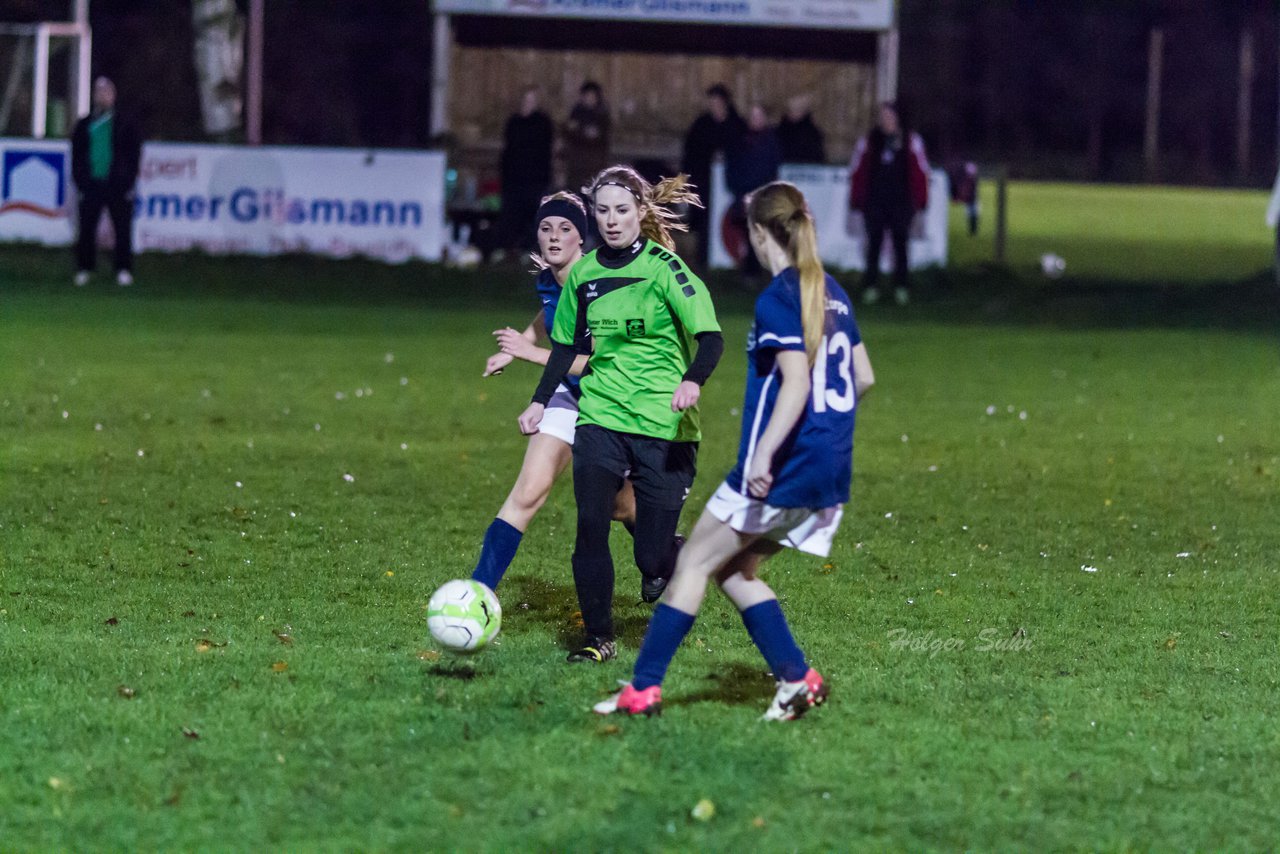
[
  {"x": 549, "y": 291},
  {"x": 814, "y": 465}
]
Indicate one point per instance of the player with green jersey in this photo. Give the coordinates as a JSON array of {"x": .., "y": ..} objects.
[
  {"x": 651, "y": 332},
  {"x": 643, "y": 309}
]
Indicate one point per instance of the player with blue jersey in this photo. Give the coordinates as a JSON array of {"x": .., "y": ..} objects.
[
  {"x": 807, "y": 370},
  {"x": 561, "y": 226}
]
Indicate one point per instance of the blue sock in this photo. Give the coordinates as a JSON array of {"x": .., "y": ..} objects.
[
  {"x": 499, "y": 549},
  {"x": 666, "y": 630},
  {"x": 769, "y": 631}
]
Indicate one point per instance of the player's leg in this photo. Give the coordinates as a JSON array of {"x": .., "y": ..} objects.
[
  {"x": 599, "y": 461},
  {"x": 662, "y": 473},
  {"x": 544, "y": 459},
  {"x": 711, "y": 545}
]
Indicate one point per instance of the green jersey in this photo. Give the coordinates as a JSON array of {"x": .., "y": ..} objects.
[{"x": 636, "y": 312}]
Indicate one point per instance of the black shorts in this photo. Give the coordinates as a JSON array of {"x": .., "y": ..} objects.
[{"x": 661, "y": 470}]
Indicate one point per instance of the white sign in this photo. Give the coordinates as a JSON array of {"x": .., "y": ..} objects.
[
  {"x": 36, "y": 196},
  {"x": 841, "y": 239},
  {"x": 235, "y": 200},
  {"x": 819, "y": 14}
]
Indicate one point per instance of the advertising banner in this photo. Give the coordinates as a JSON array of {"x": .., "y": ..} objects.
[
  {"x": 841, "y": 239},
  {"x": 819, "y": 14},
  {"x": 387, "y": 205},
  {"x": 36, "y": 195}
]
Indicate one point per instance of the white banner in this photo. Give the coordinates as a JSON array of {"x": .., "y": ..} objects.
[
  {"x": 818, "y": 14},
  {"x": 387, "y": 205},
  {"x": 36, "y": 196},
  {"x": 841, "y": 239}
]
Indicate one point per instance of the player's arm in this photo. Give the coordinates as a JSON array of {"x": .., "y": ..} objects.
[
  {"x": 863, "y": 377},
  {"x": 569, "y": 341},
  {"x": 690, "y": 301},
  {"x": 524, "y": 346},
  {"x": 793, "y": 397}
]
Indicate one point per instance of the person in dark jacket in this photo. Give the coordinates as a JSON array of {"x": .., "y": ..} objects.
[
  {"x": 751, "y": 162},
  {"x": 105, "y": 152},
  {"x": 889, "y": 185},
  {"x": 586, "y": 137},
  {"x": 712, "y": 133},
  {"x": 800, "y": 138},
  {"x": 525, "y": 170}
]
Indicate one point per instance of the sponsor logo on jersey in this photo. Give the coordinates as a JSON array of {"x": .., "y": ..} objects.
[
  {"x": 635, "y": 327},
  {"x": 837, "y": 306}
]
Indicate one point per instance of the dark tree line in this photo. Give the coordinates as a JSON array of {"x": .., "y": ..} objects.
[
  {"x": 1059, "y": 89},
  {"x": 1054, "y": 88}
]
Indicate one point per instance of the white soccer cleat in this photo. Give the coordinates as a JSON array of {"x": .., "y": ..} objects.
[
  {"x": 82, "y": 278},
  {"x": 793, "y": 699},
  {"x": 124, "y": 278}
]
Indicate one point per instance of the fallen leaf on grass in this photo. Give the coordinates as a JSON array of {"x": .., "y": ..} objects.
[
  {"x": 126, "y": 692},
  {"x": 428, "y": 655},
  {"x": 758, "y": 822},
  {"x": 284, "y": 637},
  {"x": 57, "y": 784},
  {"x": 703, "y": 810},
  {"x": 190, "y": 733},
  {"x": 1172, "y": 641},
  {"x": 611, "y": 729},
  {"x": 280, "y": 666}
]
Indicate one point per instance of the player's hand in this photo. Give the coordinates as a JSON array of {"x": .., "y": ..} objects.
[
  {"x": 531, "y": 418},
  {"x": 496, "y": 363},
  {"x": 759, "y": 476},
  {"x": 513, "y": 342},
  {"x": 687, "y": 394}
]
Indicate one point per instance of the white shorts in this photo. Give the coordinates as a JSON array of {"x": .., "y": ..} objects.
[
  {"x": 798, "y": 528},
  {"x": 560, "y": 417}
]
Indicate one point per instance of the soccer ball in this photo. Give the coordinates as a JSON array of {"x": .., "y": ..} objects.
[
  {"x": 463, "y": 615},
  {"x": 1052, "y": 265}
]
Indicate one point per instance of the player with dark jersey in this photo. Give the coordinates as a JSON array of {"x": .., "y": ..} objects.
[
  {"x": 806, "y": 371},
  {"x": 561, "y": 226},
  {"x": 651, "y": 331}
]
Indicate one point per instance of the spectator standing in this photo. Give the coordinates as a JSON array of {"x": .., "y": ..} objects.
[
  {"x": 889, "y": 185},
  {"x": 714, "y": 132},
  {"x": 586, "y": 137},
  {"x": 525, "y": 170},
  {"x": 105, "y": 152},
  {"x": 750, "y": 163},
  {"x": 800, "y": 138}
]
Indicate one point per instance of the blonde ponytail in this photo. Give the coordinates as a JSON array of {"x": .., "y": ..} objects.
[{"x": 781, "y": 209}]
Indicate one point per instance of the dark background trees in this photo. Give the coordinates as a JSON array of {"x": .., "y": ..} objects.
[{"x": 1054, "y": 89}]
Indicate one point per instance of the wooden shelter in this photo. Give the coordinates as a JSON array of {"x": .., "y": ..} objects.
[{"x": 655, "y": 66}]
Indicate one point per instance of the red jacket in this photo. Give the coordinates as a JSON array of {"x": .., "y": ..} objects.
[{"x": 917, "y": 174}]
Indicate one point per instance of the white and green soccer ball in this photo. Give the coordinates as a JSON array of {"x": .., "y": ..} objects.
[{"x": 463, "y": 615}]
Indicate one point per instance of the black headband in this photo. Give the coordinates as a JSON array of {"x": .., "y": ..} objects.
[{"x": 568, "y": 210}]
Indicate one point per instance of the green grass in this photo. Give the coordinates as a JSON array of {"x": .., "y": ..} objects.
[
  {"x": 173, "y": 500},
  {"x": 1135, "y": 234}
]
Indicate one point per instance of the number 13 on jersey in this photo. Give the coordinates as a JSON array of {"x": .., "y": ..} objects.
[{"x": 833, "y": 374}]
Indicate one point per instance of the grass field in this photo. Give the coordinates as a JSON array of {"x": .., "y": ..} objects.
[
  {"x": 1135, "y": 234},
  {"x": 1049, "y": 620}
]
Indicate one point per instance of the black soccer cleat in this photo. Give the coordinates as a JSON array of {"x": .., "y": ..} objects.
[
  {"x": 594, "y": 650},
  {"x": 651, "y": 589}
]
